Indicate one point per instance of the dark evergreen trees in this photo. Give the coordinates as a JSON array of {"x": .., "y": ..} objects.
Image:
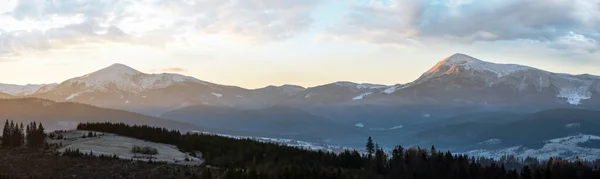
[
  {"x": 13, "y": 135},
  {"x": 36, "y": 138},
  {"x": 370, "y": 147}
]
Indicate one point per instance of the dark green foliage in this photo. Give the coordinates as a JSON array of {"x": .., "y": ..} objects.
[{"x": 245, "y": 158}]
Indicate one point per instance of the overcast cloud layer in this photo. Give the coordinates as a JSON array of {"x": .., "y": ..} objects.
[
  {"x": 562, "y": 24},
  {"x": 561, "y": 35},
  {"x": 43, "y": 25}
]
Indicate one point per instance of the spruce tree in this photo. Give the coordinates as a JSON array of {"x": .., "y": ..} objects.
[
  {"x": 370, "y": 147},
  {"x": 6, "y": 135}
]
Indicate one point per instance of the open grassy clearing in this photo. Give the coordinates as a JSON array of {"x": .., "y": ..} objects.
[{"x": 111, "y": 144}]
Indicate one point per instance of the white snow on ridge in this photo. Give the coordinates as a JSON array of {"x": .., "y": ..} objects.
[
  {"x": 565, "y": 147},
  {"x": 345, "y": 83},
  {"x": 129, "y": 79},
  {"x": 370, "y": 86},
  {"x": 470, "y": 63},
  {"x": 361, "y": 96},
  {"x": 574, "y": 96}
]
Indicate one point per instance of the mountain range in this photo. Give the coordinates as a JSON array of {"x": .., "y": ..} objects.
[{"x": 459, "y": 85}]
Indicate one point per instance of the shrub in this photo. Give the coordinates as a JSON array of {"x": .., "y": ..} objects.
[{"x": 144, "y": 150}]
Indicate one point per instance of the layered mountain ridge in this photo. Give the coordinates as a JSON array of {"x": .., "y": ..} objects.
[
  {"x": 457, "y": 85},
  {"x": 456, "y": 80}
]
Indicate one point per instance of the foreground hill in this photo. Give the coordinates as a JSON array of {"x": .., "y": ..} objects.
[{"x": 66, "y": 115}]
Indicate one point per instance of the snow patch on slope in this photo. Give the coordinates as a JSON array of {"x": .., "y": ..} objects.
[
  {"x": 491, "y": 141},
  {"x": 394, "y": 88},
  {"x": 308, "y": 95},
  {"x": 573, "y": 125},
  {"x": 361, "y": 125},
  {"x": 361, "y": 96},
  {"x": 566, "y": 147},
  {"x": 574, "y": 95},
  {"x": 217, "y": 95},
  {"x": 72, "y": 96},
  {"x": 396, "y": 127},
  {"x": 369, "y": 86}
]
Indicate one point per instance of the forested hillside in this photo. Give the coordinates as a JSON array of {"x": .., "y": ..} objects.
[{"x": 244, "y": 158}]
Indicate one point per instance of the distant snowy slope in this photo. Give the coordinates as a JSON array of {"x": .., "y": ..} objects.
[{"x": 565, "y": 147}]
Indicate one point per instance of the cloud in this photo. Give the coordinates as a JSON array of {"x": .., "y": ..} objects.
[
  {"x": 170, "y": 70},
  {"x": 41, "y": 25},
  {"x": 468, "y": 21}
]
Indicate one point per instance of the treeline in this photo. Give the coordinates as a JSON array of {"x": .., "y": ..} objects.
[
  {"x": 16, "y": 135},
  {"x": 76, "y": 153},
  {"x": 244, "y": 158}
]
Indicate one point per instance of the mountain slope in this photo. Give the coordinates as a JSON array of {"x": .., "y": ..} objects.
[
  {"x": 461, "y": 79},
  {"x": 55, "y": 115},
  {"x": 20, "y": 90},
  {"x": 281, "y": 121},
  {"x": 510, "y": 129},
  {"x": 121, "y": 87},
  {"x": 335, "y": 93},
  {"x": 4, "y": 95}
]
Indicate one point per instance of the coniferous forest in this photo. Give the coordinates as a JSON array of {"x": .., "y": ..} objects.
[
  {"x": 16, "y": 135},
  {"x": 245, "y": 158}
]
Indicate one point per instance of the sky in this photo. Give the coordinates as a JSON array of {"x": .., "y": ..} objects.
[{"x": 255, "y": 43}]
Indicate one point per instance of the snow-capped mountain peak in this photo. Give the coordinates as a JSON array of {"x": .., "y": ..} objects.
[
  {"x": 458, "y": 63},
  {"x": 459, "y": 59},
  {"x": 126, "y": 78},
  {"x": 113, "y": 72}
]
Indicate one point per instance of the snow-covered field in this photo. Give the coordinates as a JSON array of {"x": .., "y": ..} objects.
[
  {"x": 111, "y": 144},
  {"x": 566, "y": 148}
]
